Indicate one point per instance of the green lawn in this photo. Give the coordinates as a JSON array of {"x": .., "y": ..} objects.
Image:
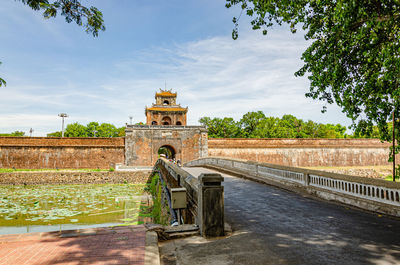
[{"x": 390, "y": 178}]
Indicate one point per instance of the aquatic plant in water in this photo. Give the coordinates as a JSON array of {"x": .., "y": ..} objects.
[{"x": 61, "y": 204}]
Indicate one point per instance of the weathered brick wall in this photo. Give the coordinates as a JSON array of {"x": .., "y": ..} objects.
[
  {"x": 43, "y": 152},
  {"x": 143, "y": 143},
  {"x": 304, "y": 152}
]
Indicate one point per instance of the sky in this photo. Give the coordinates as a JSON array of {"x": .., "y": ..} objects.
[{"x": 53, "y": 67}]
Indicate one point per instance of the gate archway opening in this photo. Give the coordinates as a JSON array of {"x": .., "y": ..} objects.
[
  {"x": 166, "y": 121},
  {"x": 167, "y": 151}
]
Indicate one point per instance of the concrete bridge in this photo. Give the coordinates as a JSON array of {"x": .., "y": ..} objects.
[{"x": 288, "y": 222}]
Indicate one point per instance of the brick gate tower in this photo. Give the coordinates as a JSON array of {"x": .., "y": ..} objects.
[
  {"x": 166, "y": 111},
  {"x": 165, "y": 129}
]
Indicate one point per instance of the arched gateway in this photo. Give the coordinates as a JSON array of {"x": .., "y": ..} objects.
[
  {"x": 167, "y": 151},
  {"x": 145, "y": 143}
]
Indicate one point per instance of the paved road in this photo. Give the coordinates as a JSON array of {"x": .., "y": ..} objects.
[{"x": 274, "y": 226}]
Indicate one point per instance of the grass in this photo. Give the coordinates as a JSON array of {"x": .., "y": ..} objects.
[
  {"x": 390, "y": 178},
  {"x": 8, "y": 170},
  {"x": 157, "y": 212}
]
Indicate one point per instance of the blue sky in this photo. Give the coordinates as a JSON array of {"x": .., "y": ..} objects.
[{"x": 51, "y": 66}]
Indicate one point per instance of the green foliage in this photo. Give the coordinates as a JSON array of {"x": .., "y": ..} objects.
[
  {"x": 54, "y": 134},
  {"x": 390, "y": 177},
  {"x": 249, "y": 123},
  {"x": 106, "y": 130},
  {"x": 154, "y": 187},
  {"x": 112, "y": 169},
  {"x": 221, "y": 128},
  {"x": 92, "y": 129},
  {"x": 353, "y": 58},
  {"x": 16, "y": 133},
  {"x": 257, "y": 125},
  {"x": 165, "y": 151},
  {"x": 75, "y": 130},
  {"x": 2, "y": 82},
  {"x": 26, "y": 205},
  {"x": 73, "y": 11}
]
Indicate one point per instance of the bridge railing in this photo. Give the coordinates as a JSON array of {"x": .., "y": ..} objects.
[
  {"x": 204, "y": 196},
  {"x": 371, "y": 194}
]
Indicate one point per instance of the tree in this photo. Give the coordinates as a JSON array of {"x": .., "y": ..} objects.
[
  {"x": 73, "y": 11},
  {"x": 55, "y": 134},
  {"x": 354, "y": 56},
  {"x": 107, "y": 130},
  {"x": 221, "y": 128},
  {"x": 89, "y": 17},
  {"x": 250, "y": 121},
  {"x": 75, "y": 130},
  {"x": 16, "y": 133},
  {"x": 266, "y": 128},
  {"x": 257, "y": 125},
  {"x": 92, "y": 129},
  {"x": 2, "y": 82}
]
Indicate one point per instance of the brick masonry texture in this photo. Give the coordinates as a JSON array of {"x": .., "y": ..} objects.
[
  {"x": 42, "y": 152},
  {"x": 143, "y": 142},
  {"x": 114, "y": 245},
  {"x": 31, "y": 178},
  {"x": 142, "y": 146},
  {"x": 304, "y": 152}
]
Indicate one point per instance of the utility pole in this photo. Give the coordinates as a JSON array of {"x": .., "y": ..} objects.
[
  {"x": 394, "y": 146},
  {"x": 62, "y": 115},
  {"x": 31, "y": 131}
]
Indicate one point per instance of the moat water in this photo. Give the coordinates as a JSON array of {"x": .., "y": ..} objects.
[{"x": 45, "y": 208}]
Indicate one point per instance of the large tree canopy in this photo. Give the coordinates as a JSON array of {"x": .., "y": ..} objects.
[
  {"x": 73, "y": 11},
  {"x": 257, "y": 125},
  {"x": 354, "y": 53}
]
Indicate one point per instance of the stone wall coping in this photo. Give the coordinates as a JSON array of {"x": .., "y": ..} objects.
[
  {"x": 86, "y": 142},
  {"x": 294, "y": 143},
  {"x": 62, "y": 145},
  {"x": 163, "y": 127},
  {"x": 186, "y": 176},
  {"x": 62, "y": 138},
  {"x": 370, "y": 181}
]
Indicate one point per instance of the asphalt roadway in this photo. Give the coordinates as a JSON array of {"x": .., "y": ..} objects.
[{"x": 275, "y": 226}]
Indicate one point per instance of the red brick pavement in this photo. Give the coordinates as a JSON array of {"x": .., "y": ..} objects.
[{"x": 113, "y": 245}]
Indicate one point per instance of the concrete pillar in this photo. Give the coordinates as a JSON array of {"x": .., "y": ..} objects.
[
  {"x": 306, "y": 179},
  {"x": 210, "y": 205}
]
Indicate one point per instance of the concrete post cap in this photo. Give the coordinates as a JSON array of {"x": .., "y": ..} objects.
[{"x": 210, "y": 177}]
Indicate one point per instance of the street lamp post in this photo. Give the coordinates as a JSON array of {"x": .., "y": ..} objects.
[
  {"x": 130, "y": 117},
  {"x": 62, "y": 115},
  {"x": 31, "y": 131}
]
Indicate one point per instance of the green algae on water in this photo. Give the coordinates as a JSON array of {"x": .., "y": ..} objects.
[{"x": 23, "y": 205}]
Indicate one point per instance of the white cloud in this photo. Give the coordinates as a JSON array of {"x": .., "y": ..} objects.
[
  {"x": 222, "y": 77},
  {"x": 215, "y": 77}
]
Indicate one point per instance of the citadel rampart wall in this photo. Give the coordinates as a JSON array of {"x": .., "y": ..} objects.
[
  {"x": 52, "y": 152},
  {"x": 304, "y": 152},
  {"x": 43, "y": 152}
]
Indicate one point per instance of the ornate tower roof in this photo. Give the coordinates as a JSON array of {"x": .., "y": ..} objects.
[{"x": 166, "y": 111}]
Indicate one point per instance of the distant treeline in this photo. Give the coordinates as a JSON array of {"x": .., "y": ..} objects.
[
  {"x": 257, "y": 125},
  {"x": 16, "y": 133},
  {"x": 92, "y": 129},
  {"x": 251, "y": 125}
]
